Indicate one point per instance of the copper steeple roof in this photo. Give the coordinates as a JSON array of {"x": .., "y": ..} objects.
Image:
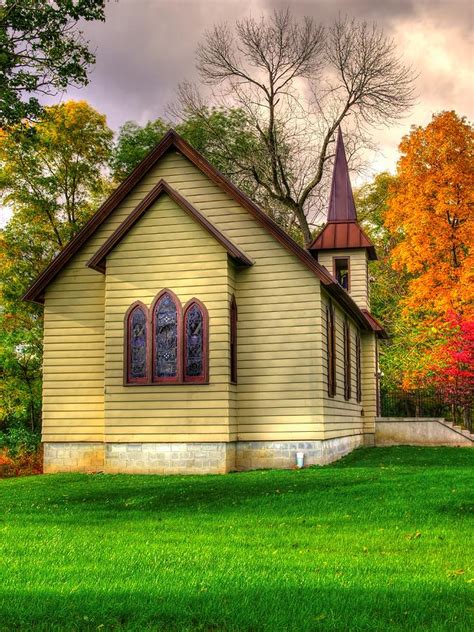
[{"x": 342, "y": 230}]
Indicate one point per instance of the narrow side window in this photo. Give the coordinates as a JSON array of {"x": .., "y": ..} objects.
[
  {"x": 341, "y": 271},
  {"x": 347, "y": 360},
  {"x": 137, "y": 357},
  {"x": 358, "y": 369},
  {"x": 233, "y": 340},
  {"x": 195, "y": 343},
  {"x": 331, "y": 349}
]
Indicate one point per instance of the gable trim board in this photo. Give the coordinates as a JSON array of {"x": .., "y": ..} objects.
[
  {"x": 98, "y": 261},
  {"x": 36, "y": 291}
]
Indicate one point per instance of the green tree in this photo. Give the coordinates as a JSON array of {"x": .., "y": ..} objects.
[
  {"x": 133, "y": 144},
  {"x": 387, "y": 286},
  {"x": 224, "y": 136},
  {"x": 42, "y": 52},
  {"x": 52, "y": 171},
  {"x": 216, "y": 133},
  {"x": 52, "y": 177}
]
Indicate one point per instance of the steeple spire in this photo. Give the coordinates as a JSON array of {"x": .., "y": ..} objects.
[
  {"x": 342, "y": 230},
  {"x": 341, "y": 200}
]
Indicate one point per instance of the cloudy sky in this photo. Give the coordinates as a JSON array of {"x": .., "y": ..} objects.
[{"x": 146, "y": 47}]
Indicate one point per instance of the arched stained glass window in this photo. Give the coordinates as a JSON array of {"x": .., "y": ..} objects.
[
  {"x": 166, "y": 317},
  {"x": 166, "y": 344},
  {"x": 137, "y": 345},
  {"x": 195, "y": 343}
]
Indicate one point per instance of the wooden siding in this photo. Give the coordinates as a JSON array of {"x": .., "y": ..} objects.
[
  {"x": 280, "y": 376},
  {"x": 358, "y": 272},
  {"x": 369, "y": 381},
  {"x": 341, "y": 417}
]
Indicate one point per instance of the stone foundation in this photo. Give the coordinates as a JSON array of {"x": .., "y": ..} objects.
[
  {"x": 255, "y": 455},
  {"x": 192, "y": 458},
  {"x": 73, "y": 457},
  {"x": 169, "y": 458}
]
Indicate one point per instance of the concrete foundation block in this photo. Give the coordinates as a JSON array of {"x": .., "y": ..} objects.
[
  {"x": 192, "y": 458},
  {"x": 73, "y": 457}
]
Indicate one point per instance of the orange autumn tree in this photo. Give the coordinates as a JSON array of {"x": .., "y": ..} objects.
[{"x": 431, "y": 212}]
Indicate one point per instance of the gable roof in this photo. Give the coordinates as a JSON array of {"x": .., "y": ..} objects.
[
  {"x": 171, "y": 139},
  {"x": 97, "y": 262},
  {"x": 342, "y": 230},
  {"x": 343, "y": 236}
]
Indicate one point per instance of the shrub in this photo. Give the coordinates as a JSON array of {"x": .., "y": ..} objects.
[{"x": 20, "y": 452}]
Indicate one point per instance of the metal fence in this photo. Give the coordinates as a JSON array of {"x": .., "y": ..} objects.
[{"x": 399, "y": 403}]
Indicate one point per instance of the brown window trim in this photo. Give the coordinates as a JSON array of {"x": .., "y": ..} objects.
[
  {"x": 358, "y": 369},
  {"x": 149, "y": 314},
  {"x": 347, "y": 360},
  {"x": 348, "y": 259},
  {"x": 331, "y": 348},
  {"x": 204, "y": 377},
  {"x": 234, "y": 316}
]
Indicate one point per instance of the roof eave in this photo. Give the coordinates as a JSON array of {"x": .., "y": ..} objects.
[
  {"x": 374, "y": 324},
  {"x": 339, "y": 239}
]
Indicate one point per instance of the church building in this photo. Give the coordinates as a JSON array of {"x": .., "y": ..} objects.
[{"x": 186, "y": 332}]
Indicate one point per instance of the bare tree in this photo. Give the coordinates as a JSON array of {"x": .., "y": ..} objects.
[{"x": 297, "y": 82}]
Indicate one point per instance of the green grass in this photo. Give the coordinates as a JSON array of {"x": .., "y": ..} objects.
[{"x": 382, "y": 540}]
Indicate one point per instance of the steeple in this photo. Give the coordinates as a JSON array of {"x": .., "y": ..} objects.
[
  {"x": 342, "y": 229},
  {"x": 341, "y": 200},
  {"x": 342, "y": 247}
]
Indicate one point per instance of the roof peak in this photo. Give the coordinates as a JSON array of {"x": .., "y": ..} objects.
[{"x": 341, "y": 199}]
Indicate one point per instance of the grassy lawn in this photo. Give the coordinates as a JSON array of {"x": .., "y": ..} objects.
[{"x": 382, "y": 540}]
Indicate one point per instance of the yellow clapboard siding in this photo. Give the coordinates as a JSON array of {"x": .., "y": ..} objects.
[
  {"x": 340, "y": 412},
  {"x": 178, "y": 437},
  {"x": 81, "y": 417},
  {"x": 76, "y": 437},
  {"x": 206, "y": 278},
  {"x": 345, "y": 433},
  {"x": 132, "y": 289},
  {"x": 55, "y": 396},
  {"x": 290, "y": 435},
  {"x": 61, "y": 406}
]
